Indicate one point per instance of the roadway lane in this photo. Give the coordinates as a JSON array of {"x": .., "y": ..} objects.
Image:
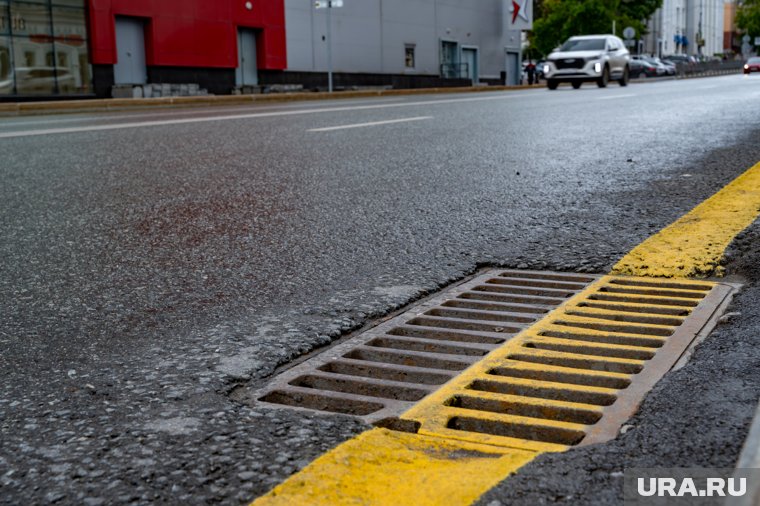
[{"x": 148, "y": 270}]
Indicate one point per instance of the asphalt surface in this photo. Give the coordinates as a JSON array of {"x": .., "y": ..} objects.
[{"x": 149, "y": 270}]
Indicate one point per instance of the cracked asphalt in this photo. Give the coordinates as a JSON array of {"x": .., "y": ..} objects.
[{"x": 147, "y": 272}]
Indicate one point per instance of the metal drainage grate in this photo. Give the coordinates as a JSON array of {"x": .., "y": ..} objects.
[
  {"x": 577, "y": 375},
  {"x": 387, "y": 369}
]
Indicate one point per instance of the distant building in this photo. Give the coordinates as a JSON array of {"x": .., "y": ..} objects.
[
  {"x": 693, "y": 27},
  {"x": 731, "y": 40},
  {"x": 84, "y": 48},
  {"x": 406, "y": 43}
]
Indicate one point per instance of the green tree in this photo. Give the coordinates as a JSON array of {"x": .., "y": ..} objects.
[
  {"x": 556, "y": 20},
  {"x": 748, "y": 17}
]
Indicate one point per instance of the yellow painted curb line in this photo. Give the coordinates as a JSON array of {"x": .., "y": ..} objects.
[
  {"x": 395, "y": 468},
  {"x": 434, "y": 468},
  {"x": 694, "y": 245}
]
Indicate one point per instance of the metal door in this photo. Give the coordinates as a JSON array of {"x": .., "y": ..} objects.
[
  {"x": 247, "y": 72},
  {"x": 470, "y": 59},
  {"x": 513, "y": 68},
  {"x": 130, "y": 51},
  {"x": 450, "y": 59}
]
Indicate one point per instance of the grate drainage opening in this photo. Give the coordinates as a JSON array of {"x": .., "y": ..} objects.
[
  {"x": 665, "y": 301},
  {"x": 406, "y": 359},
  {"x": 470, "y": 314},
  {"x": 444, "y": 335},
  {"x": 353, "y": 386},
  {"x": 649, "y": 309},
  {"x": 657, "y": 284},
  {"x": 544, "y": 392},
  {"x": 322, "y": 403},
  {"x": 579, "y": 363},
  {"x": 425, "y": 346},
  {"x": 582, "y": 349},
  {"x": 399, "y": 425},
  {"x": 626, "y": 329},
  {"x": 555, "y": 376},
  {"x": 511, "y": 299},
  {"x": 525, "y": 409},
  {"x": 493, "y": 285},
  {"x": 646, "y": 342},
  {"x": 494, "y": 306},
  {"x": 463, "y": 325},
  {"x": 386, "y": 373},
  {"x": 629, "y": 318},
  {"x": 652, "y": 292},
  {"x": 530, "y": 432},
  {"x": 540, "y": 275},
  {"x": 534, "y": 283}
]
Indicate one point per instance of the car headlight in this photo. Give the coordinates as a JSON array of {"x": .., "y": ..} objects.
[
  {"x": 547, "y": 69},
  {"x": 597, "y": 67},
  {"x": 746, "y": 66}
]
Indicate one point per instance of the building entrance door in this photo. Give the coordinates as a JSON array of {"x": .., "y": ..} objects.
[
  {"x": 450, "y": 59},
  {"x": 470, "y": 60},
  {"x": 130, "y": 51},
  {"x": 513, "y": 68},
  {"x": 247, "y": 73}
]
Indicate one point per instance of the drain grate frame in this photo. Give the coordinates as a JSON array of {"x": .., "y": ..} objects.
[
  {"x": 539, "y": 361},
  {"x": 387, "y": 369}
]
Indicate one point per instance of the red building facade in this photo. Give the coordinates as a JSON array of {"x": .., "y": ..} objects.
[{"x": 188, "y": 41}]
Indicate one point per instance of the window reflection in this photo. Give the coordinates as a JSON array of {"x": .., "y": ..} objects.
[
  {"x": 69, "y": 29},
  {"x": 30, "y": 19},
  {"x": 6, "y": 73},
  {"x": 35, "y": 72},
  {"x": 43, "y": 48}
]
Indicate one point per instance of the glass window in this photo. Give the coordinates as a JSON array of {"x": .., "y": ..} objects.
[
  {"x": 409, "y": 56},
  {"x": 34, "y": 73},
  {"x": 43, "y": 47},
  {"x": 69, "y": 23},
  {"x": 5, "y": 18},
  {"x": 69, "y": 28},
  {"x": 30, "y": 19},
  {"x": 70, "y": 3},
  {"x": 6, "y": 74}
]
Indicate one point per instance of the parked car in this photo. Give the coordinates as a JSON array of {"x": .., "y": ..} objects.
[
  {"x": 659, "y": 67},
  {"x": 670, "y": 68},
  {"x": 589, "y": 58},
  {"x": 752, "y": 65},
  {"x": 640, "y": 68}
]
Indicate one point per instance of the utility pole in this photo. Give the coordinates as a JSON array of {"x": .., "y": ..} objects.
[{"x": 329, "y": 5}]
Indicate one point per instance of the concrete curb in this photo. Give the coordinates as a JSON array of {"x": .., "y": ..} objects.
[
  {"x": 114, "y": 104},
  {"x": 749, "y": 459},
  {"x": 11, "y": 109}
]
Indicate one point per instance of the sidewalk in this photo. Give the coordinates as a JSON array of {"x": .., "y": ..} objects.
[{"x": 112, "y": 104}]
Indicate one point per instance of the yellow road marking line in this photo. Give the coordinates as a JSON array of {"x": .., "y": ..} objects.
[
  {"x": 440, "y": 465},
  {"x": 395, "y": 468},
  {"x": 694, "y": 244}
]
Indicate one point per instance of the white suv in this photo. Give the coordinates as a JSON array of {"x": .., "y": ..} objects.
[{"x": 590, "y": 58}]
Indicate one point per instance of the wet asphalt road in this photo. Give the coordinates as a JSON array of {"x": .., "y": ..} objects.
[{"x": 148, "y": 270}]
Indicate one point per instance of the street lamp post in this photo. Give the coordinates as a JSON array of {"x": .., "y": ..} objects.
[{"x": 329, "y": 5}]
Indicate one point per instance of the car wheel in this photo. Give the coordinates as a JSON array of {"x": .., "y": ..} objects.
[
  {"x": 604, "y": 79},
  {"x": 626, "y": 76},
  {"x": 576, "y": 84},
  {"x": 552, "y": 84}
]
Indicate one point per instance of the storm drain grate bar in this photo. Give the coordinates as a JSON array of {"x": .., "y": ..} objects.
[
  {"x": 387, "y": 369},
  {"x": 578, "y": 374}
]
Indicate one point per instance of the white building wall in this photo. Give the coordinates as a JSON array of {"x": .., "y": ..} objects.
[
  {"x": 682, "y": 18},
  {"x": 370, "y": 36}
]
